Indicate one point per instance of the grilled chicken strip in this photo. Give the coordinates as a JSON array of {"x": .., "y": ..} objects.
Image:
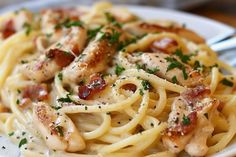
[
  {"x": 52, "y": 19},
  {"x": 95, "y": 57},
  {"x": 56, "y": 56},
  {"x": 160, "y": 64},
  {"x": 58, "y": 131},
  {"x": 140, "y": 28},
  {"x": 189, "y": 123}
]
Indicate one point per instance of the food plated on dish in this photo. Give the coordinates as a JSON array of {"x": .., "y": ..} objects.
[{"x": 100, "y": 81}]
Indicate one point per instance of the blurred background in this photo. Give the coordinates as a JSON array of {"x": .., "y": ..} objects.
[{"x": 221, "y": 10}]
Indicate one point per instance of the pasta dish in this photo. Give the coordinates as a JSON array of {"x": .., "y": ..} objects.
[{"x": 99, "y": 81}]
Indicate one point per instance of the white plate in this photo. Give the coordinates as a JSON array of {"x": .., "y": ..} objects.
[{"x": 211, "y": 30}]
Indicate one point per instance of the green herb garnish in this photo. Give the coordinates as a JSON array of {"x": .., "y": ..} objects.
[
  {"x": 23, "y": 61},
  {"x": 186, "y": 120},
  {"x": 152, "y": 71},
  {"x": 182, "y": 57},
  {"x": 60, "y": 76},
  {"x": 66, "y": 99},
  {"x": 67, "y": 23},
  {"x": 141, "y": 92},
  {"x": 22, "y": 142},
  {"x": 184, "y": 73},
  {"x": 112, "y": 20},
  {"x": 119, "y": 69},
  {"x": 93, "y": 32},
  {"x": 59, "y": 129},
  {"x": 173, "y": 63},
  {"x": 56, "y": 107},
  {"x": 11, "y": 133},
  {"x": 227, "y": 82},
  {"x": 17, "y": 101},
  {"x": 146, "y": 85},
  {"x": 28, "y": 28},
  {"x": 174, "y": 79}
]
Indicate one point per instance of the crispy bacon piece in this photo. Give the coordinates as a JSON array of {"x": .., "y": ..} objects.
[
  {"x": 36, "y": 92},
  {"x": 61, "y": 57},
  {"x": 8, "y": 29},
  {"x": 96, "y": 84},
  {"x": 166, "y": 45},
  {"x": 196, "y": 94}
]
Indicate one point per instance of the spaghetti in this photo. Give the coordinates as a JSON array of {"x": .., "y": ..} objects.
[{"x": 101, "y": 81}]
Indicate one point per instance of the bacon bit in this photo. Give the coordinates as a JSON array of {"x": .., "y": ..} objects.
[
  {"x": 8, "y": 29},
  {"x": 96, "y": 84},
  {"x": 61, "y": 58},
  {"x": 194, "y": 95},
  {"x": 130, "y": 87},
  {"x": 220, "y": 106},
  {"x": 36, "y": 92},
  {"x": 183, "y": 129},
  {"x": 166, "y": 45}
]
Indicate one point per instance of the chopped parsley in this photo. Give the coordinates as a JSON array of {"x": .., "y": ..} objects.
[
  {"x": 56, "y": 107},
  {"x": 185, "y": 74},
  {"x": 81, "y": 82},
  {"x": 119, "y": 69},
  {"x": 227, "y": 82},
  {"x": 60, "y": 76},
  {"x": 93, "y": 32},
  {"x": 11, "y": 133},
  {"x": 182, "y": 57},
  {"x": 109, "y": 17},
  {"x": 17, "y": 101},
  {"x": 22, "y": 142},
  {"x": 18, "y": 91},
  {"x": 140, "y": 66},
  {"x": 67, "y": 24},
  {"x": 196, "y": 65},
  {"x": 176, "y": 64},
  {"x": 141, "y": 92},
  {"x": 125, "y": 43},
  {"x": 66, "y": 99},
  {"x": 112, "y": 37},
  {"x": 23, "y": 61},
  {"x": 173, "y": 64},
  {"x": 146, "y": 85},
  {"x": 73, "y": 23},
  {"x": 112, "y": 20},
  {"x": 185, "y": 120},
  {"x": 59, "y": 130},
  {"x": 174, "y": 79},
  {"x": 27, "y": 27},
  {"x": 152, "y": 71},
  {"x": 48, "y": 35},
  {"x": 23, "y": 133}
]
